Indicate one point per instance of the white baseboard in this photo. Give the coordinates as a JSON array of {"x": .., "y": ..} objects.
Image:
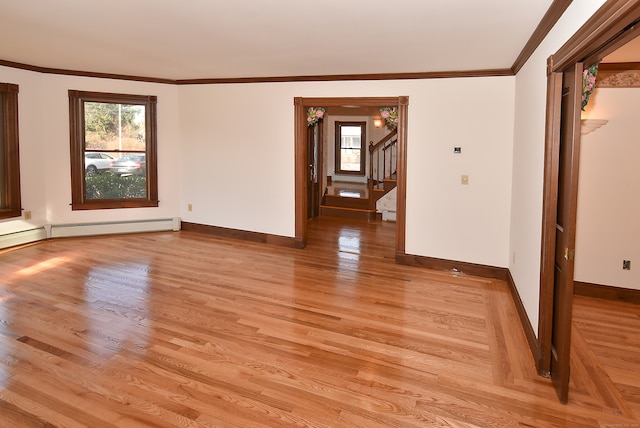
[
  {"x": 349, "y": 178},
  {"x": 22, "y": 237},
  {"x": 388, "y": 215},
  {"x": 109, "y": 228}
]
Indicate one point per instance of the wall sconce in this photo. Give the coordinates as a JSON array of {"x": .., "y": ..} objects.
[
  {"x": 590, "y": 125},
  {"x": 377, "y": 122}
]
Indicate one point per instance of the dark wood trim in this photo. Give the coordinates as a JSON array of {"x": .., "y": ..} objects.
[
  {"x": 11, "y": 147},
  {"x": 606, "y": 70},
  {"x": 65, "y": 72},
  {"x": 301, "y": 180},
  {"x": 607, "y": 292},
  {"x": 605, "y": 67},
  {"x": 114, "y": 204},
  {"x": 77, "y": 149},
  {"x": 610, "y": 24},
  {"x": 300, "y": 105},
  {"x": 244, "y": 235},
  {"x": 351, "y": 101},
  {"x": 548, "y": 21},
  {"x": 337, "y": 147},
  {"x": 455, "y": 267},
  {"x": 529, "y": 332},
  {"x": 401, "y": 175},
  {"x": 603, "y": 29},
  {"x": 341, "y": 77},
  {"x": 549, "y": 204},
  {"x": 266, "y": 79}
]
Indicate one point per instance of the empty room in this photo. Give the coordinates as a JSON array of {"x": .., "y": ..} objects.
[{"x": 333, "y": 214}]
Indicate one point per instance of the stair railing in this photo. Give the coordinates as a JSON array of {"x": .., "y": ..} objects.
[{"x": 383, "y": 159}]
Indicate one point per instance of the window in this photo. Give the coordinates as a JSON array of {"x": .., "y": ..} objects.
[
  {"x": 113, "y": 150},
  {"x": 350, "y": 143},
  {"x": 9, "y": 156}
]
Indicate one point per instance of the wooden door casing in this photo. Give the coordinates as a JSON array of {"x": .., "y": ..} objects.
[{"x": 569, "y": 160}]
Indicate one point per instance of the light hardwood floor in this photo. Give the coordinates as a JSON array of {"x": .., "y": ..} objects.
[{"x": 186, "y": 330}]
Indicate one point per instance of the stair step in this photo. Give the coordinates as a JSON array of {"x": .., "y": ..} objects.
[
  {"x": 345, "y": 202},
  {"x": 363, "y": 214}
]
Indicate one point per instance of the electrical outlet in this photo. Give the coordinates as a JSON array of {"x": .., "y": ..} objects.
[
  {"x": 464, "y": 179},
  {"x": 626, "y": 264},
  {"x": 189, "y": 207},
  {"x": 27, "y": 215}
]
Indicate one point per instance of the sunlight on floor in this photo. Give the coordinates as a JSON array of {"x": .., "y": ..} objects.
[{"x": 42, "y": 266}]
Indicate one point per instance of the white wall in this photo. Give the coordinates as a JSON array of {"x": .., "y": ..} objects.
[
  {"x": 239, "y": 159},
  {"x": 528, "y": 157},
  {"x": 32, "y": 161},
  {"x": 43, "y": 104},
  {"x": 608, "y": 231},
  {"x": 229, "y": 151},
  {"x": 446, "y": 219}
]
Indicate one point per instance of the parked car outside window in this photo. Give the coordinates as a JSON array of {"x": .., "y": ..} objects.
[
  {"x": 95, "y": 162},
  {"x": 130, "y": 165}
]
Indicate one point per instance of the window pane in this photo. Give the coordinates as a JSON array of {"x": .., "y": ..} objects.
[
  {"x": 350, "y": 137},
  {"x": 113, "y": 150},
  {"x": 112, "y": 126},
  {"x": 115, "y": 175},
  {"x": 349, "y": 150},
  {"x": 350, "y": 159}
]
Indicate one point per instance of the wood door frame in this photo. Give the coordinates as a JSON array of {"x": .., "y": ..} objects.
[
  {"x": 608, "y": 29},
  {"x": 300, "y": 128},
  {"x": 315, "y": 198}
]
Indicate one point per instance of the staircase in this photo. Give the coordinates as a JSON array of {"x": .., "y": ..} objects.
[{"x": 359, "y": 200}]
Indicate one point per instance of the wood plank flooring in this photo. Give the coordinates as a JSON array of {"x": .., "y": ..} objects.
[{"x": 183, "y": 330}]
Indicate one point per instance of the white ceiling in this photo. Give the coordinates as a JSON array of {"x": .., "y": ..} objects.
[{"x": 192, "y": 39}]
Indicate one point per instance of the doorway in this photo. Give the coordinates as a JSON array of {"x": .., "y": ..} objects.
[
  {"x": 611, "y": 27},
  {"x": 302, "y": 187}
]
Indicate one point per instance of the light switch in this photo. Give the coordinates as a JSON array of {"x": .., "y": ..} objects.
[{"x": 464, "y": 179}]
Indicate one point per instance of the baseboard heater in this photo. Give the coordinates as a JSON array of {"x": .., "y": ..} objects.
[
  {"x": 22, "y": 237},
  {"x": 109, "y": 228}
]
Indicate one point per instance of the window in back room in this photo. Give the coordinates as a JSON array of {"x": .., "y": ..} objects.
[{"x": 350, "y": 147}]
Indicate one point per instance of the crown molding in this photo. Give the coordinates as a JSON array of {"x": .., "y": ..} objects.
[
  {"x": 548, "y": 21},
  {"x": 271, "y": 79},
  {"x": 340, "y": 77},
  {"x": 65, "y": 72},
  {"x": 550, "y": 18}
]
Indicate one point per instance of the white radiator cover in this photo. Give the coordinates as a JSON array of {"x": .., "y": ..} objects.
[
  {"x": 110, "y": 228},
  {"x": 22, "y": 237},
  {"x": 47, "y": 231}
]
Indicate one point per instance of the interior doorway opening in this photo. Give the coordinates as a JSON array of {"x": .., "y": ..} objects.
[
  {"x": 312, "y": 179},
  {"x": 605, "y": 32}
]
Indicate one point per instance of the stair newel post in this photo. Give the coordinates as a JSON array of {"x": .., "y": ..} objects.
[
  {"x": 370, "y": 179},
  {"x": 384, "y": 163}
]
